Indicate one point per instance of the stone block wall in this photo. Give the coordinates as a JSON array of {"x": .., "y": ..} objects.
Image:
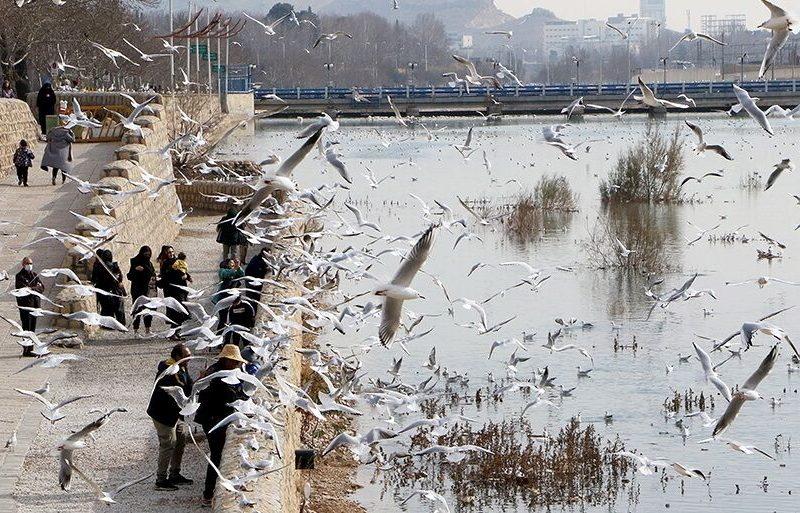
[
  {"x": 16, "y": 122},
  {"x": 193, "y": 195}
]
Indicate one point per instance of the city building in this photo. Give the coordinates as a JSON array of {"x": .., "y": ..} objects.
[
  {"x": 716, "y": 26},
  {"x": 559, "y": 35},
  {"x": 654, "y": 9}
]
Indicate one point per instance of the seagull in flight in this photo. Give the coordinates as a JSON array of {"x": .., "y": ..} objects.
[
  {"x": 702, "y": 146},
  {"x": 781, "y": 23},
  {"x": 783, "y": 165},
  {"x": 693, "y": 36},
  {"x": 749, "y": 105},
  {"x": 112, "y": 54}
]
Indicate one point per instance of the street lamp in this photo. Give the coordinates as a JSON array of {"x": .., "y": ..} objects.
[
  {"x": 412, "y": 66},
  {"x": 664, "y": 65},
  {"x": 329, "y": 67},
  {"x": 741, "y": 67},
  {"x": 577, "y": 62}
]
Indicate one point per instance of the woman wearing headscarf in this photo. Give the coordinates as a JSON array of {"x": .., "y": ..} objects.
[
  {"x": 168, "y": 277},
  {"x": 46, "y": 104},
  {"x": 142, "y": 276},
  {"x": 111, "y": 282},
  {"x": 8, "y": 90},
  {"x": 231, "y": 238},
  {"x": 58, "y": 152}
]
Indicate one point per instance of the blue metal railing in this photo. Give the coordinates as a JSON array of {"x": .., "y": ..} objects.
[{"x": 377, "y": 95}]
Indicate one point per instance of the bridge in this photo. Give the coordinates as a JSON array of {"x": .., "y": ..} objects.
[{"x": 529, "y": 99}]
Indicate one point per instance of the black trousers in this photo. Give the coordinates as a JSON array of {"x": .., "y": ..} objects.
[
  {"x": 111, "y": 307},
  {"x": 216, "y": 442},
  {"x": 28, "y": 323},
  {"x": 22, "y": 175},
  {"x": 148, "y": 319},
  {"x": 55, "y": 173}
]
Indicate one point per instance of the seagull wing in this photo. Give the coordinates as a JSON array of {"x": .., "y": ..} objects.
[
  {"x": 733, "y": 409},
  {"x": 468, "y": 209},
  {"x": 414, "y": 260},
  {"x": 390, "y": 319},
  {"x": 779, "y": 38},
  {"x": 709, "y": 38},
  {"x": 774, "y": 10},
  {"x": 763, "y": 369},
  {"x": 719, "y": 150},
  {"x": 697, "y": 131},
  {"x": 752, "y": 109},
  {"x": 773, "y": 177}
]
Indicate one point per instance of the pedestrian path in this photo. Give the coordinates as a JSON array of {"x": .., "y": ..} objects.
[{"x": 40, "y": 204}]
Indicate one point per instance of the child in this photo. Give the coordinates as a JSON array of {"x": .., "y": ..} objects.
[
  {"x": 181, "y": 265},
  {"x": 23, "y": 159}
]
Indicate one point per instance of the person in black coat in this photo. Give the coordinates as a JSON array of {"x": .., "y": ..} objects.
[
  {"x": 46, "y": 105},
  {"x": 240, "y": 313},
  {"x": 170, "y": 427},
  {"x": 142, "y": 276},
  {"x": 111, "y": 282},
  {"x": 231, "y": 238},
  {"x": 259, "y": 267},
  {"x": 26, "y": 277},
  {"x": 168, "y": 277},
  {"x": 215, "y": 404}
]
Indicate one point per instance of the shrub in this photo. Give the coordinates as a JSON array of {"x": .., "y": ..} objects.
[{"x": 649, "y": 171}]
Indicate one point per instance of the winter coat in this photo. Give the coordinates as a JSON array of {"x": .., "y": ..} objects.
[
  {"x": 228, "y": 233},
  {"x": 31, "y": 280},
  {"x": 46, "y": 101},
  {"x": 163, "y": 408},
  {"x": 140, "y": 280},
  {"x": 23, "y": 157},
  {"x": 57, "y": 152},
  {"x": 215, "y": 401}
]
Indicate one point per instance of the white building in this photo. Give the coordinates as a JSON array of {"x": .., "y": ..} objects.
[
  {"x": 654, "y": 9},
  {"x": 714, "y": 25},
  {"x": 561, "y": 34}
]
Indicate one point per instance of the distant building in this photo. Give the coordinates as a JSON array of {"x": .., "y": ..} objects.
[
  {"x": 654, "y": 9},
  {"x": 560, "y": 34},
  {"x": 717, "y": 26}
]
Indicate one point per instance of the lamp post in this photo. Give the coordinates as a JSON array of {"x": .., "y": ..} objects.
[
  {"x": 411, "y": 67},
  {"x": 577, "y": 62},
  {"x": 329, "y": 67},
  {"x": 741, "y": 67},
  {"x": 664, "y": 65}
]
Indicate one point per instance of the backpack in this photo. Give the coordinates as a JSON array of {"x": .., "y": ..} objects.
[{"x": 21, "y": 158}]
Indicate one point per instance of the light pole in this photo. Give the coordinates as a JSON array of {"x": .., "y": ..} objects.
[
  {"x": 664, "y": 64},
  {"x": 741, "y": 67},
  {"x": 411, "y": 67},
  {"x": 577, "y": 62},
  {"x": 329, "y": 67}
]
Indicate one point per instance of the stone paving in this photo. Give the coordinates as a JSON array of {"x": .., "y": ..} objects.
[{"x": 41, "y": 204}]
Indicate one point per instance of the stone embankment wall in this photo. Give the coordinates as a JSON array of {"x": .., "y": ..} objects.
[
  {"x": 139, "y": 219},
  {"x": 196, "y": 195},
  {"x": 16, "y": 122}
]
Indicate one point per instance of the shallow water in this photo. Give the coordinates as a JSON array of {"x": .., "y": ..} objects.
[{"x": 630, "y": 385}]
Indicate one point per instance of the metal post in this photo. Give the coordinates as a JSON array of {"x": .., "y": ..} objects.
[
  {"x": 189, "y": 49},
  {"x": 197, "y": 53},
  {"x": 171, "y": 53},
  {"x": 227, "y": 67},
  {"x": 219, "y": 75},
  {"x": 208, "y": 54},
  {"x": 722, "y": 70}
]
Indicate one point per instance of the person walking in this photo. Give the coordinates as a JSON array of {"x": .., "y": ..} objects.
[
  {"x": 168, "y": 277},
  {"x": 26, "y": 277},
  {"x": 8, "y": 90},
  {"x": 229, "y": 271},
  {"x": 111, "y": 305},
  {"x": 215, "y": 404},
  {"x": 142, "y": 276},
  {"x": 58, "y": 152},
  {"x": 240, "y": 313},
  {"x": 23, "y": 160},
  {"x": 46, "y": 105},
  {"x": 259, "y": 267},
  {"x": 170, "y": 426},
  {"x": 233, "y": 241}
]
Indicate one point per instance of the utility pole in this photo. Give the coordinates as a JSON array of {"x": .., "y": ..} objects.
[
  {"x": 664, "y": 64},
  {"x": 171, "y": 53},
  {"x": 197, "y": 53},
  {"x": 741, "y": 67},
  {"x": 722, "y": 69},
  {"x": 189, "y": 50},
  {"x": 208, "y": 54}
]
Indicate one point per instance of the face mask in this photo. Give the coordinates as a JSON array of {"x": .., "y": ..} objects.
[{"x": 29, "y": 267}]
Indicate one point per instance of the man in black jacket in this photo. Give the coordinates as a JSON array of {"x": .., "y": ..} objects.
[
  {"x": 171, "y": 429},
  {"x": 240, "y": 313},
  {"x": 215, "y": 405},
  {"x": 27, "y": 278},
  {"x": 259, "y": 267}
]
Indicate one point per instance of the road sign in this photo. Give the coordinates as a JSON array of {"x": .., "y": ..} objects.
[
  {"x": 201, "y": 48},
  {"x": 218, "y": 68}
]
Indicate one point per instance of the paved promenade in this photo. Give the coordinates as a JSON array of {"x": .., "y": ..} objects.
[{"x": 41, "y": 204}]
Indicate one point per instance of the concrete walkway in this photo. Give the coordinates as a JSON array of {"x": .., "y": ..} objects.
[{"x": 41, "y": 204}]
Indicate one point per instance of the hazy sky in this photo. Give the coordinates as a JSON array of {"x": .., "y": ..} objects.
[{"x": 676, "y": 9}]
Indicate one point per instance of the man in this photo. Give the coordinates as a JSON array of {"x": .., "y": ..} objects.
[
  {"x": 215, "y": 405},
  {"x": 259, "y": 267},
  {"x": 172, "y": 431},
  {"x": 27, "y": 278},
  {"x": 241, "y": 313}
]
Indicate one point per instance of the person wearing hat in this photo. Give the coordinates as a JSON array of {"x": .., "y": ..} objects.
[
  {"x": 215, "y": 404},
  {"x": 170, "y": 427}
]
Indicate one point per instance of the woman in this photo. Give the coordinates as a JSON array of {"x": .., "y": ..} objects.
[
  {"x": 229, "y": 271},
  {"x": 46, "y": 104},
  {"x": 142, "y": 277},
  {"x": 169, "y": 276},
  {"x": 110, "y": 282},
  {"x": 8, "y": 90},
  {"x": 58, "y": 152}
]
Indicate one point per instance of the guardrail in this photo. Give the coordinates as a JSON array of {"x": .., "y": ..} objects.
[{"x": 572, "y": 90}]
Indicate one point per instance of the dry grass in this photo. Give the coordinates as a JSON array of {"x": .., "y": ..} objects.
[
  {"x": 752, "y": 181},
  {"x": 574, "y": 467},
  {"x": 649, "y": 171}
]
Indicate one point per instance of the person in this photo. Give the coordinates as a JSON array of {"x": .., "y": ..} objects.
[
  {"x": 23, "y": 160},
  {"x": 171, "y": 428},
  {"x": 142, "y": 276},
  {"x": 46, "y": 104},
  {"x": 233, "y": 241},
  {"x": 58, "y": 152},
  {"x": 181, "y": 265},
  {"x": 167, "y": 279},
  {"x": 111, "y": 282},
  {"x": 259, "y": 267},
  {"x": 26, "y": 277},
  {"x": 229, "y": 271},
  {"x": 215, "y": 404},
  {"x": 240, "y": 313},
  {"x": 8, "y": 90}
]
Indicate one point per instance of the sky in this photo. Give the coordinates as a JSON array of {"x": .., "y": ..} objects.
[{"x": 676, "y": 9}]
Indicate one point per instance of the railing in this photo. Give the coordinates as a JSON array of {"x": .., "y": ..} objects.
[{"x": 377, "y": 95}]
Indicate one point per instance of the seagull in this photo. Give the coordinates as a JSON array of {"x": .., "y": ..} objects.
[
  {"x": 710, "y": 374},
  {"x": 781, "y": 23},
  {"x": 359, "y": 444},
  {"x": 105, "y": 497},
  {"x": 783, "y": 165},
  {"x": 76, "y": 441},
  {"x": 779, "y": 112},
  {"x": 332, "y": 156},
  {"x": 52, "y": 411},
  {"x": 431, "y": 496},
  {"x": 692, "y": 36},
  {"x": 749, "y": 106},
  {"x": 617, "y": 30},
  {"x": 268, "y": 29},
  {"x": 649, "y": 99},
  {"x": 646, "y": 465},
  {"x": 112, "y": 54},
  {"x": 688, "y": 100},
  {"x": 473, "y": 76},
  {"x": 623, "y": 251},
  {"x": 145, "y": 56},
  {"x": 51, "y": 361},
  {"x": 331, "y": 37},
  {"x": 362, "y": 223},
  {"x": 702, "y": 146},
  {"x": 397, "y": 115},
  {"x": 95, "y": 319},
  {"x": 746, "y": 393},
  {"x": 398, "y": 290},
  {"x": 744, "y": 449}
]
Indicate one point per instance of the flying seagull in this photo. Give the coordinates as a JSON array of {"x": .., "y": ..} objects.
[
  {"x": 781, "y": 23},
  {"x": 702, "y": 146},
  {"x": 749, "y": 106}
]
